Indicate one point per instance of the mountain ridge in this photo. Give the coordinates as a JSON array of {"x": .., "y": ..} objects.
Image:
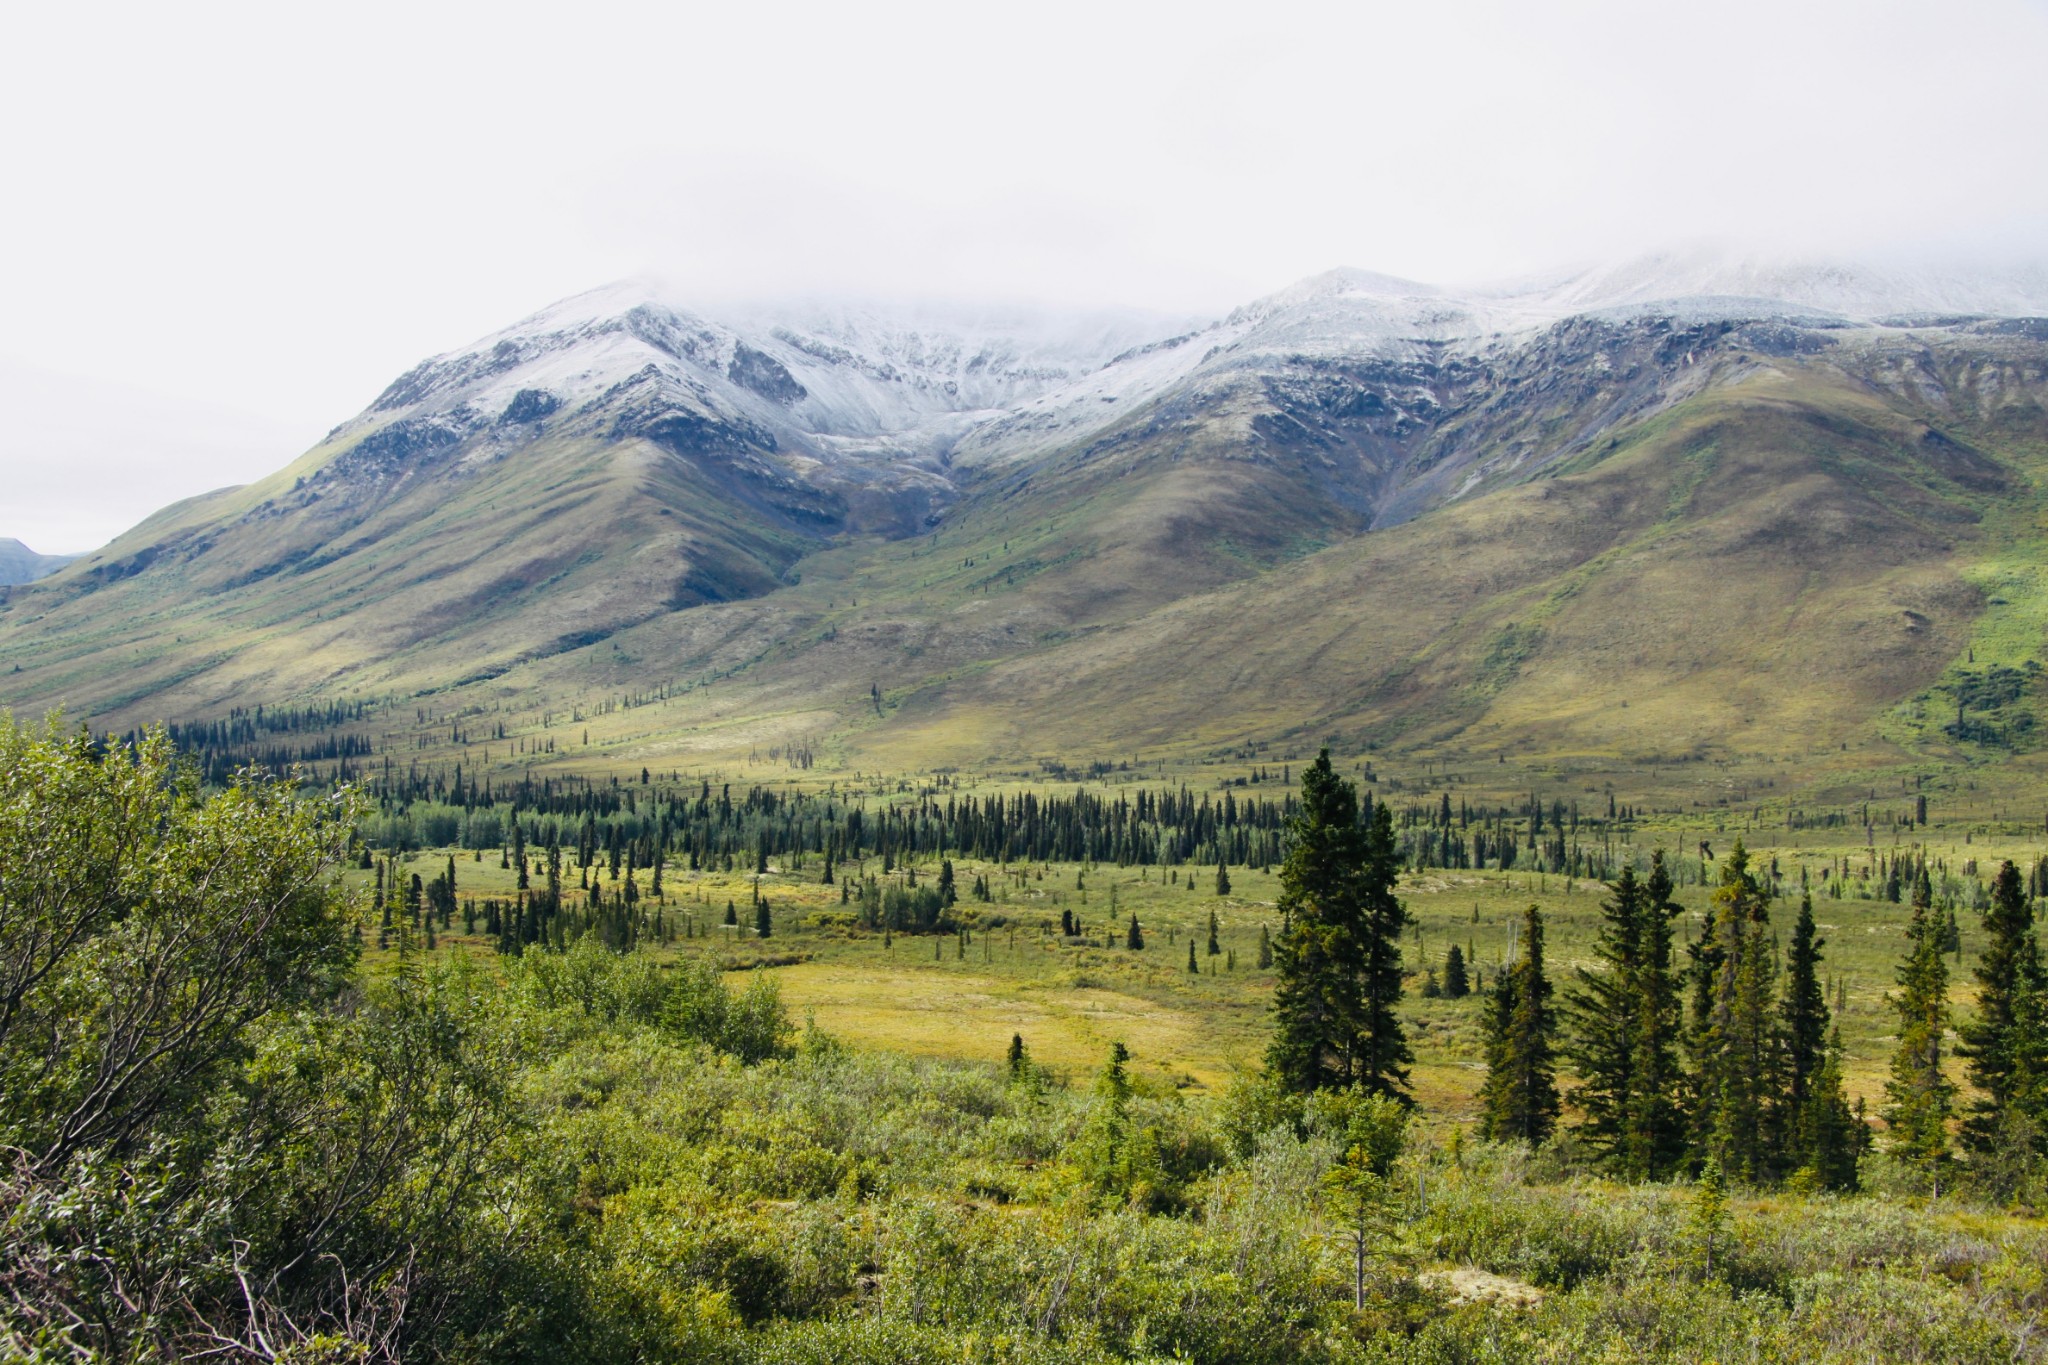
[
  {"x": 620, "y": 484},
  {"x": 19, "y": 564}
]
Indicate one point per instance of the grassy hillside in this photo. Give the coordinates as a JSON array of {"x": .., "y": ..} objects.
[
  {"x": 1661, "y": 559},
  {"x": 1760, "y": 573}
]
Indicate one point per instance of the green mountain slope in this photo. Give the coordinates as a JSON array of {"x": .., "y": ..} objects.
[{"x": 1625, "y": 542}]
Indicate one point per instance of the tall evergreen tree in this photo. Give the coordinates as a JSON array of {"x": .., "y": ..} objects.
[
  {"x": 1654, "y": 1129},
  {"x": 1518, "y": 1099},
  {"x": 1739, "y": 1054},
  {"x": 1921, "y": 1096},
  {"x": 1599, "y": 1015},
  {"x": 2004, "y": 1044},
  {"x": 1806, "y": 1007},
  {"x": 1384, "y": 1054},
  {"x": 1825, "y": 1138},
  {"x": 1338, "y": 953}
]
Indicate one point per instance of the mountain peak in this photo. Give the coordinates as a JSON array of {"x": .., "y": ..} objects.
[{"x": 19, "y": 564}]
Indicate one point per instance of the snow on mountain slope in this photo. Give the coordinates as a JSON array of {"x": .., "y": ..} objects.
[
  {"x": 1361, "y": 314},
  {"x": 1084, "y": 407},
  {"x": 881, "y": 391},
  {"x": 1722, "y": 282},
  {"x": 825, "y": 381}
]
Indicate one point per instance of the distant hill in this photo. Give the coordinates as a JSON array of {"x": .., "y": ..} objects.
[
  {"x": 1665, "y": 512},
  {"x": 19, "y": 564}
]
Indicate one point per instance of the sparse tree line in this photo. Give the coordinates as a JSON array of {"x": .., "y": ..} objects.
[
  {"x": 444, "y": 805},
  {"x": 722, "y": 830}
]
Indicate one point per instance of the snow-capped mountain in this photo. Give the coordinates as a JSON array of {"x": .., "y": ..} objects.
[
  {"x": 873, "y": 394},
  {"x": 860, "y": 385},
  {"x": 620, "y": 459},
  {"x": 1710, "y": 282}
]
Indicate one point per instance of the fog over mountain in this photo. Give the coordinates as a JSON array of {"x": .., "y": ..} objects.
[{"x": 1181, "y": 168}]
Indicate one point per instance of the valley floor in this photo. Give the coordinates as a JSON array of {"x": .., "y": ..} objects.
[{"x": 962, "y": 997}]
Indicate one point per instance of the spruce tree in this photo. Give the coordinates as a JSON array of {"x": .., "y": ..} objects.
[
  {"x": 1134, "y": 937},
  {"x": 1830, "y": 1139},
  {"x": 1921, "y": 1096},
  {"x": 1599, "y": 1013},
  {"x": 1215, "y": 948},
  {"x": 763, "y": 926},
  {"x": 1339, "y": 954},
  {"x": 1222, "y": 879},
  {"x": 1806, "y": 1007},
  {"x": 1518, "y": 1099},
  {"x": 1318, "y": 1001},
  {"x": 1457, "y": 985},
  {"x": 1739, "y": 1047},
  {"x": 1709, "y": 1213},
  {"x": 1654, "y": 1137},
  {"x": 2007, "y": 1053},
  {"x": 1192, "y": 968},
  {"x": 1826, "y": 1139},
  {"x": 1265, "y": 949},
  {"x": 1384, "y": 1052}
]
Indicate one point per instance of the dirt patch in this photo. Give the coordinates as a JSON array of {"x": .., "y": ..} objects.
[{"x": 1469, "y": 1284}]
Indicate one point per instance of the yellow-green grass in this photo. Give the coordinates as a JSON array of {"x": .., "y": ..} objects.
[{"x": 924, "y": 995}]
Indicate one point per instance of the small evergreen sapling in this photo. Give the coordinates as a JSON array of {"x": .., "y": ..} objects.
[
  {"x": 1360, "y": 1185},
  {"x": 1709, "y": 1218}
]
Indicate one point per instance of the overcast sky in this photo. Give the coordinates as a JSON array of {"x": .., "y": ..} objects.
[{"x": 228, "y": 227}]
